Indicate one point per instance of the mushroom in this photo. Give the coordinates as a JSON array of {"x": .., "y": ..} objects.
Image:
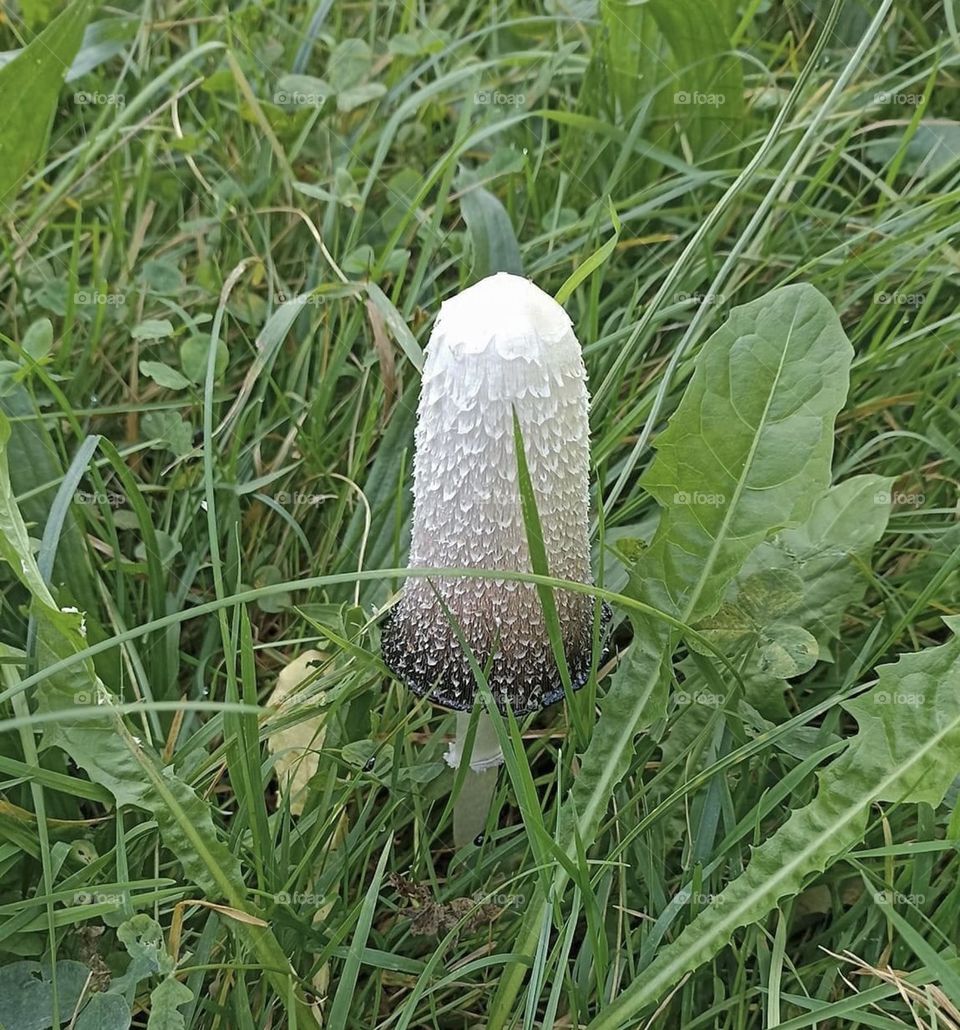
[{"x": 500, "y": 349}]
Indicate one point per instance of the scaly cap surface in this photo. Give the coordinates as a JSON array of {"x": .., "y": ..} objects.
[{"x": 500, "y": 345}]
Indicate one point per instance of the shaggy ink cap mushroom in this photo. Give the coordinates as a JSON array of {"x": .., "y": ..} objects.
[{"x": 500, "y": 346}]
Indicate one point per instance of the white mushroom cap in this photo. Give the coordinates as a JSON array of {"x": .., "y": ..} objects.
[{"x": 499, "y": 346}]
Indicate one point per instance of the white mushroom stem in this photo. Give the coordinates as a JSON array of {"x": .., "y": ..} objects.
[
  {"x": 473, "y": 803},
  {"x": 486, "y": 753}
]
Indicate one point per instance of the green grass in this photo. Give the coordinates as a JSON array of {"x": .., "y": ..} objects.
[{"x": 247, "y": 501}]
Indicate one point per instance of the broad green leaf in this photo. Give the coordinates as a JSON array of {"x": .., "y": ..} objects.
[
  {"x": 171, "y": 429},
  {"x": 495, "y": 247},
  {"x": 746, "y": 452},
  {"x": 101, "y": 41},
  {"x": 361, "y": 259},
  {"x": 38, "y": 73},
  {"x": 163, "y": 276},
  {"x": 350, "y": 99},
  {"x": 163, "y": 375},
  {"x": 345, "y": 188},
  {"x": 830, "y": 552},
  {"x": 104, "y": 1012},
  {"x": 349, "y": 64},
  {"x": 786, "y": 651},
  {"x": 302, "y": 91},
  {"x": 193, "y": 358},
  {"x": 829, "y": 557},
  {"x": 143, "y": 939},
  {"x": 750, "y": 447},
  {"x": 761, "y": 600},
  {"x": 268, "y": 575},
  {"x": 167, "y": 548},
  {"x": 26, "y": 992},
  {"x": 152, "y": 329},
  {"x": 164, "y": 999},
  {"x": 935, "y": 145},
  {"x": 907, "y": 750},
  {"x": 426, "y": 40},
  {"x": 769, "y": 594},
  {"x": 38, "y": 339}
]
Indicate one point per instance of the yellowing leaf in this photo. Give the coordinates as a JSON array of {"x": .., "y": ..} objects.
[{"x": 297, "y": 747}]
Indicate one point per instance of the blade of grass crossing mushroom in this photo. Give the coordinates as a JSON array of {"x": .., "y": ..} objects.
[{"x": 538, "y": 556}]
